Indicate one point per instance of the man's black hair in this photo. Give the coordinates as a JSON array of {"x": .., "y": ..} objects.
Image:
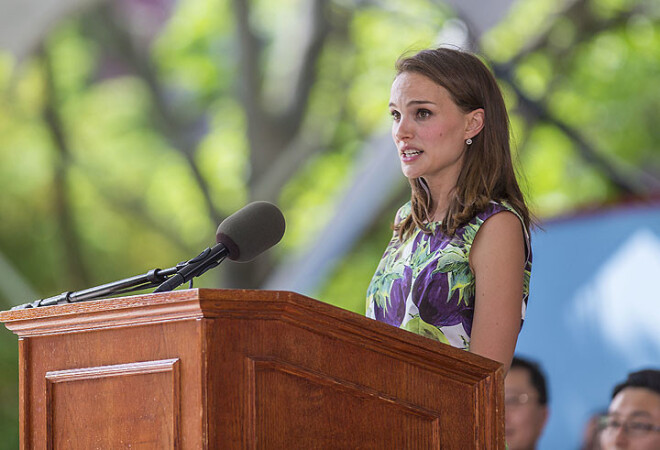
[
  {"x": 647, "y": 378},
  {"x": 536, "y": 376}
]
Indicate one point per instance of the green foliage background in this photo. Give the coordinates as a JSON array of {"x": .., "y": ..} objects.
[{"x": 121, "y": 197}]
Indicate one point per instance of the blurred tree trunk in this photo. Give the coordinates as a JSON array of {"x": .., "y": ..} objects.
[
  {"x": 270, "y": 131},
  {"x": 76, "y": 272}
]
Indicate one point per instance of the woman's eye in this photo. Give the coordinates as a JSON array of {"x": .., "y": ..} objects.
[
  {"x": 395, "y": 115},
  {"x": 423, "y": 113}
]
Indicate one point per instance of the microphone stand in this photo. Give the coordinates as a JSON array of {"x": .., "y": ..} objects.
[
  {"x": 163, "y": 279},
  {"x": 150, "y": 279}
]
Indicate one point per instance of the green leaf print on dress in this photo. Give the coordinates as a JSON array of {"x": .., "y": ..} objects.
[
  {"x": 417, "y": 325},
  {"x": 454, "y": 261}
]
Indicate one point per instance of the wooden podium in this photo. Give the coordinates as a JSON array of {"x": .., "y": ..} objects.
[{"x": 225, "y": 369}]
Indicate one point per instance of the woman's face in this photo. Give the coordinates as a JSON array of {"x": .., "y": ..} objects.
[{"x": 429, "y": 130}]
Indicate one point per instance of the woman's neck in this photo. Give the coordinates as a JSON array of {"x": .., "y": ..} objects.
[
  {"x": 440, "y": 188},
  {"x": 440, "y": 204}
]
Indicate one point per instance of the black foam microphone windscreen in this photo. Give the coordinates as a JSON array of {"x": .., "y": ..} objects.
[{"x": 251, "y": 231}]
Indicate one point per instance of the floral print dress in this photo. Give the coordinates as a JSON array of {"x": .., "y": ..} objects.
[{"x": 425, "y": 284}]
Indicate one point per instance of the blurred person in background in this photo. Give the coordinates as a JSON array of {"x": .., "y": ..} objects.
[
  {"x": 633, "y": 417},
  {"x": 591, "y": 432},
  {"x": 525, "y": 404},
  {"x": 457, "y": 268}
]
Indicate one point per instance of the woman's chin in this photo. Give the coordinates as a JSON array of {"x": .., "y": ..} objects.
[{"x": 410, "y": 172}]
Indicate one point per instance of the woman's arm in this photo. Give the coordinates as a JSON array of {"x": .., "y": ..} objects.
[{"x": 497, "y": 259}]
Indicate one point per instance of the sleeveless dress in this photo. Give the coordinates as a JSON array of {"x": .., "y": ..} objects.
[{"x": 425, "y": 284}]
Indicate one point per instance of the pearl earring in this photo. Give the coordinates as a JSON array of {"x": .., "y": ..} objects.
[{"x": 468, "y": 141}]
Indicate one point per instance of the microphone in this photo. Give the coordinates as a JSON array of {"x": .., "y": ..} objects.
[
  {"x": 241, "y": 237},
  {"x": 251, "y": 231}
]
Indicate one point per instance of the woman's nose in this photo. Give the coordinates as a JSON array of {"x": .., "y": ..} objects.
[{"x": 403, "y": 129}]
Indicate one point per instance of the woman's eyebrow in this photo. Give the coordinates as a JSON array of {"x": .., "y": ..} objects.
[{"x": 416, "y": 102}]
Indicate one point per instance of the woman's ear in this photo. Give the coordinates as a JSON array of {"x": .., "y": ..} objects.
[{"x": 474, "y": 123}]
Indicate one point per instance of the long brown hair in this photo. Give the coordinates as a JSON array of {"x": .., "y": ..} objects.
[{"x": 487, "y": 172}]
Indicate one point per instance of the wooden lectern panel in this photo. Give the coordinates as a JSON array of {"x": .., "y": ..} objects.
[
  {"x": 312, "y": 409},
  {"x": 110, "y": 406},
  {"x": 238, "y": 369},
  {"x": 130, "y": 351}
]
